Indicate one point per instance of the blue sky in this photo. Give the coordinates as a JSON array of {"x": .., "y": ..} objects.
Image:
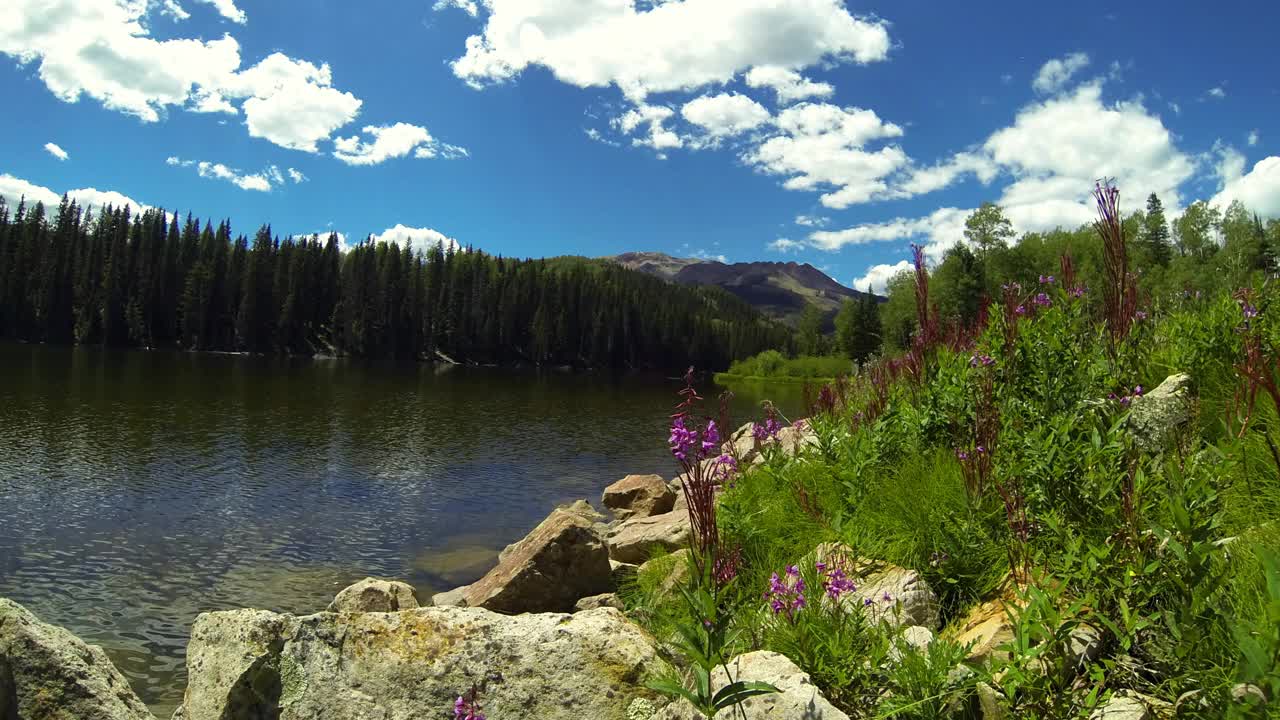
[{"x": 813, "y": 130}]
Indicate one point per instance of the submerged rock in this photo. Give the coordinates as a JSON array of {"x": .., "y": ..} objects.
[
  {"x": 632, "y": 541},
  {"x": 413, "y": 664},
  {"x": 47, "y": 673},
  {"x": 374, "y": 595},
  {"x": 559, "y": 562},
  {"x": 799, "y": 698},
  {"x": 638, "y": 496}
]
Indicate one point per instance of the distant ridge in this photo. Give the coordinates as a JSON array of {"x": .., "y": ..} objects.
[{"x": 779, "y": 289}]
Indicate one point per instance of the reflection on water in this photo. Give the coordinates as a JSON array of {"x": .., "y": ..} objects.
[{"x": 140, "y": 489}]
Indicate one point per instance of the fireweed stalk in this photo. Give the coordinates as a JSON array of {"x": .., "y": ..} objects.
[{"x": 1120, "y": 292}]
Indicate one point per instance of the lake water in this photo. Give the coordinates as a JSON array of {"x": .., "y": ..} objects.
[{"x": 139, "y": 489}]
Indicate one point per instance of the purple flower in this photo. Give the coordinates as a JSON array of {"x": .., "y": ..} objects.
[
  {"x": 887, "y": 597},
  {"x": 1249, "y": 311},
  {"x": 983, "y": 360},
  {"x": 1042, "y": 299},
  {"x": 980, "y": 449},
  {"x": 1020, "y": 310},
  {"x": 868, "y": 602},
  {"x": 820, "y": 566},
  {"x": 1140, "y": 315},
  {"x": 1138, "y": 391},
  {"x": 793, "y": 571},
  {"x": 1078, "y": 291},
  {"x": 962, "y": 455},
  {"x": 1046, "y": 279}
]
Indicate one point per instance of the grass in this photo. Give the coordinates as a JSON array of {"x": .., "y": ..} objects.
[{"x": 773, "y": 366}]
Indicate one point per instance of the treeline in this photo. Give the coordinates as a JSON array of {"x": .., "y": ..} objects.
[
  {"x": 1201, "y": 252},
  {"x": 147, "y": 280}
]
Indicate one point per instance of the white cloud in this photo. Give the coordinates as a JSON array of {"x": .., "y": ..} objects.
[
  {"x": 784, "y": 245},
  {"x": 103, "y": 49},
  {"x": 822, "y": 146},
  {"x": 174, "y": 10},
  {"x": 228, "y": 10},
  {"x": 296, "y": 176},
  {"x": 1218, "y": 92},
  {"x": 1252, "y": 139},
  {"x": 244, "y": 181},
  {"x": 392, "y": 141},
  {"x": 725, "y": 114},
  {"x": 420, "y": 239},
  {"x": 469, "y": 6},
  {"x": 1259, "y": 189},
  {"x": 14, "y": 189},
  {"x": 878, "y": 276},
  {"x": 941, "y": 229},
  {"x": 54, "y": 150},
  {"x": 667, "y": 46},
  {"x": 1055, "y": 74},
  {"x": 922, "y": 180},
  {"x": 652, "y": 117},
  {"x": 812, "y": 220},
  {"x": 788, "y": 84}
]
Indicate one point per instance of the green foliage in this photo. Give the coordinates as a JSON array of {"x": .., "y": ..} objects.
[
  {"x": 773, "y": 365},
  {"x": 987, "y": 228}
]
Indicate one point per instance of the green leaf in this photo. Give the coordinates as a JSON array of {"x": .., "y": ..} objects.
[{"x": 736, "y": 692}]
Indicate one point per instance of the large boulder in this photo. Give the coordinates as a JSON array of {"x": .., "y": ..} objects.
[
  {"x": 46, "y": 673},
  {"x": 799, "y": 699},
  {"x": 896, "y": 595},
  {"x": 374, "y": 595},
  {"x": 1155, "y": 417},
  {"x": 559, "y": 562},
  {"x": 633, "y": 540},
  {"x": 415, "y": 663},
  {"x": 987, "y": 628},
  {"x": 638, "y": 496}
]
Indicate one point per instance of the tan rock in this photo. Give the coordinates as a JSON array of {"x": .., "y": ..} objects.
[
  {"x": 456, "y": 597},
  {"x": 799, "y": 698},
  {"x": 374, "y": 595},
  {"x": 562, "y": 560},
  {"x": 596, "y": 602},
  {"x": 886, "y": 592},
  {"x": 633, "y": 541},
  {"x": 638, "y": 496}
]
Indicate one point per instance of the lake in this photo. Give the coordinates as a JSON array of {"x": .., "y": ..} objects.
[{"x": 138, "y": 489}]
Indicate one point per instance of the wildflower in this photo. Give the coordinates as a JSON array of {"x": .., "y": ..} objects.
[
  {"x": 1249, "y": 311},
  {"x": 1020, "y": 310},
  {"x": 820, "y": 566},
  {"x": 961, "y": 455},
  {"x": 1140, "y": 315},
  {"x": 887, "y": 597},
  {"x": 786, "y": 596},
  {"x": 1138, "y": 391},
  {"x": 980, "y": 449},
  {"x": 793, "y": 571},
  {"x": 1078, "y": 291},
  {"x": 1046, "y": 279},
  {"x": 467, "y": 707},
  {"x": 983, "y": 360},
  {"x": 1042, "y": 299},
  {"x": 837, "y": 584},
  {"x": 681, "y": 440},
  {"x": 710, "y": 437},
  {"x": 868, "y": 602}
]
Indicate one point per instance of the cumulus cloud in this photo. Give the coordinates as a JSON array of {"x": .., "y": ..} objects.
[
  {"x": 665, "y": 47},
  {"x": 653, "y": 118},
  {"x": 922, "y": 180},
  {"x": 14, "y": 189},
  {"x": 1258, "y": 189},
  {"x": 392, "y": 141},
  {"x": 812, "y": 220},
  {"x": 103, "y": 49},
  {"x": 56, "y": 151},
  {"x": 468, "y": 6},
  {"x": 1252, "y": 139},
  {"x": 1217, "y": 93},
  {"x": 940, "y": 229},
  {"x": 1055, "y": 74},
  {"x": 297, "y": 176},
  {"x": 785, "y": 245},
  {"x": 877, "y": 277},
  {"x": 823, "y": 147},
  {"x": 725, "y": 114},
  {"x": 420, "y": 239},
  {"x": 789, "y": 85}
]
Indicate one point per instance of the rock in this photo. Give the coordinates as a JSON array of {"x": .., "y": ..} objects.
[
  {"x": 46, "y": 673},
  {"x": 623, "y": 573},
  {"x": 583, "y": 507},
  {"x": 374, "y": 595},
  {"x": 456, "y": 597},
  {"x": 666, "y": 572},
  {"x": 742, "y": 444},
  {"x": 560, "y": 561},
  {"x": 1155, "y": 416},
  {"x": 1083, "y": 646},
  {"x": 1129, "y": 705},
  {"x": 632, "y": 541},
  {"x": 1249, "y": 694},
  {"x": 896, "y": 595},
  {"x": 413, "y": 664},
  {"x": 795, "y": 438},
  {"x": 799, "y": 699},
  {"x": 638, "y": 496},
  {"x": 992, "y": 703},
  {"x": 640, "y": 709},
  {"x": 599, "y": 601},
  {"x": 986, "y": 627}
]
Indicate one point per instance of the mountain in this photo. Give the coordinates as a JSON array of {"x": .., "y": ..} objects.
[{"x": 779, "y": 289}]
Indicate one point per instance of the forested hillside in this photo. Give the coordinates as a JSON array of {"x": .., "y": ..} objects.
[{"x": 148, "y": 280}]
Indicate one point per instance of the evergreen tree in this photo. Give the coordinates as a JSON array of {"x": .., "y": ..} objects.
[{"x": 1155, "y": 232}]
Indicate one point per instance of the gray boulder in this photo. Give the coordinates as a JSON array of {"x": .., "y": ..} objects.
[
  {"x": 633, "y": 540},
  {"x": 562, "y": 560},
  {"x": 799, "y": 699},
  {"x": 413, "y": 664},
  {"x": 456, "y": 597},
  {"x": 46, "y": 673},
  {"x": 1156, "y": 416},
  {"x": 374, "y": 595},
  {"x": 596, "y": 602},
  {"x": 638, "y": 496},
  {"x": 896, "y": 595}
]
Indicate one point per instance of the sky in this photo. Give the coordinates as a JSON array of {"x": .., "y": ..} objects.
[{"x": 820, "y": 131}]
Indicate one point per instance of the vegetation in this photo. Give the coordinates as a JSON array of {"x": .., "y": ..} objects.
[
  {"x": 773, "y": 365},
  {"x": 1009, "y": 461},
  {"x": 144, "y": 280}
]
